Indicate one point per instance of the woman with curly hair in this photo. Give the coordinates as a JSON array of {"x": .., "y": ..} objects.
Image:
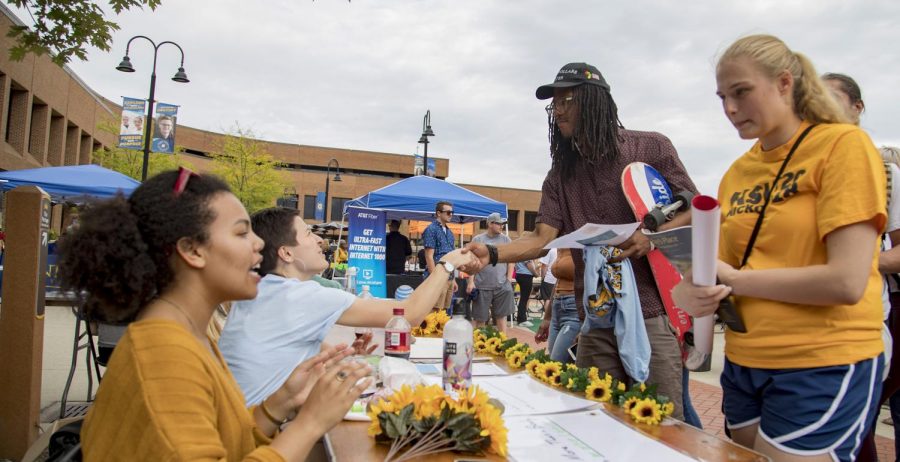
[
  {"x": 801, "y": 214},
  {"x": 164, "y": 259}
]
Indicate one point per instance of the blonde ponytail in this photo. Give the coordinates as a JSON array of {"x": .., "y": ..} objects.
[{"x": 812, "y": 100}]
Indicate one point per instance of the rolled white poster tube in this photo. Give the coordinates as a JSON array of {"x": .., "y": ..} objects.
[{"x": 704, "y": 258}]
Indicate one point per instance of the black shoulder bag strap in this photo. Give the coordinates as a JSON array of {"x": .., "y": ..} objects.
[{"x": 768, "y": 196}]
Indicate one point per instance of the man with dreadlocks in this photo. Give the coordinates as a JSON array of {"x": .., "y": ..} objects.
[{"x": 589, "y": 148}]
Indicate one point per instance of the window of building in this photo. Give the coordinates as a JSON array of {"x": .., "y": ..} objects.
[
  {"x": 530, "y": 219},
  {"x": 482, "y": 224},
  {"x": 513, "y": 224},
  {"x": 309, "y": 207},
  {"x": 337, "y": 208}
]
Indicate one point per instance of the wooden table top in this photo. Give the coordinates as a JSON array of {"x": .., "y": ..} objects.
[{"x": 348, "y": 441}]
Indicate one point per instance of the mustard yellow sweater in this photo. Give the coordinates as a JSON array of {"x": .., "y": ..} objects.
[{"x": 164, "y": 397}]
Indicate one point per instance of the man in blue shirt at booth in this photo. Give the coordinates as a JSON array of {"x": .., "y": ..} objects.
[{"x": 438, "y": 240}]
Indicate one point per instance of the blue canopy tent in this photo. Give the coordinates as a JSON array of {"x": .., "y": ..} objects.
[
  {"x": 414, "y": 199},
  {"x": 75, "y": 183}
]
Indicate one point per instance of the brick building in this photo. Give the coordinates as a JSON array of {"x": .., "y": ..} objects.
[{"x": 49, "y": 117}]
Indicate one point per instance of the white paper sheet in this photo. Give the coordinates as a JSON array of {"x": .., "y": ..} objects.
[
  {"x": 594, "y": 234},
  {"x": 582, "y": 436},
  {"x": 523, "y": 395},
  {"x": 704, "y": 258},
  {"x": 478, "y": 369},
  {"x": 427, "y": 348}
]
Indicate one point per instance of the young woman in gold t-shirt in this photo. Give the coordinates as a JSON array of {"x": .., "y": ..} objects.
[{"x": 802, "y": 382}]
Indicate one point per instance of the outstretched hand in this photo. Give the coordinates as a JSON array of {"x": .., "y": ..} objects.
[{"x": 481, "y": 257}]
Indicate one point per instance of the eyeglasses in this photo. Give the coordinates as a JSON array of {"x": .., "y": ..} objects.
[
  {"x": 448, "y": 212},
  {"x": 559, "y": 106}
]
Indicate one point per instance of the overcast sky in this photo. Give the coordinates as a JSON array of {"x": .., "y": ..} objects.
[{"x": 361, "y": 75}]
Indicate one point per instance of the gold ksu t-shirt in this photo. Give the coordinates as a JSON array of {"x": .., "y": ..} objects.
[{"x": 835, "y": 178}]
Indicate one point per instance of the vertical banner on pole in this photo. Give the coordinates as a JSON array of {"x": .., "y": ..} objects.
[
  {"x": 367, "y": 249},
  {"x": 131, "y": 131},
  {"x": 320, "y": 206},
  {"x": 419, "y": 169},
  {"x": 164, "y": 129}
]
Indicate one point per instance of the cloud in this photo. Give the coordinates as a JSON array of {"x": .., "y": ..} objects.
[{"x": 361, "y": 75}]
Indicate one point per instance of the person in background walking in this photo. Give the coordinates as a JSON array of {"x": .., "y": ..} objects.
[{"x": 525, "y": 278}]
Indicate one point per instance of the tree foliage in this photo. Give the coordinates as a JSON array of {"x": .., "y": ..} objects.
[
  {"x": 64, "y": 28},
  {"x": 130, "y": 162},
  {"x": 251, "y": 172}
]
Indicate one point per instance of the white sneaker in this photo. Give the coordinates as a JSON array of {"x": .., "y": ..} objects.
[{"x": 526, "y": 324}]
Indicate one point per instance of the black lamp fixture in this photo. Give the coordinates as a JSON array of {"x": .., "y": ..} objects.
[
  {"x": 180, "y": 77},
  {"x": 426, "y": 132}
]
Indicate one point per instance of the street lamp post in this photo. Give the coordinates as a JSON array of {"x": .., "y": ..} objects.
[
  {"x": 180, "y": 77},
  {"x": 337, "y": 179},
  {"x": 426, "y": 132}
]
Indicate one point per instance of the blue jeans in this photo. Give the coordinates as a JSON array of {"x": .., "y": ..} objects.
[
  {"x": 564, "y": 327},
  {"x": 690, "y": 414}
]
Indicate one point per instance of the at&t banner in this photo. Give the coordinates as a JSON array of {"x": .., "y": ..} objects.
[{"x": 367, "y": 248}]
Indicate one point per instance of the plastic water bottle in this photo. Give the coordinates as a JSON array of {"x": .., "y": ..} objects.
[
  {"x": 458, "y": 351},
  {"x": 365, "y": 294},
  {"x": 351, "y": 280},
  {"x": 396, "y": 336}
]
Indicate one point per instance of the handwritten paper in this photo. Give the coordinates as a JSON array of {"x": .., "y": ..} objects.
[
  {"x": 582, "y": 436},
  {"x": 522, "y": 395}
]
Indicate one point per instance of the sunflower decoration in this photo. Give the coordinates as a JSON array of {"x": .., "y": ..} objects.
[
  {"x": 492, "y": 344},
  {"x": 481, "y": 346},
  {"x": 549, "y": 370},
  {"x": 629, "y": 404},
  {"x": 667, "y": 409},
  {"x": 430, "y": 421},
  {"x": 533, "y": 367},
  {"x": 495, "y": 348},
  {"x": 594, "y": 374},
  {"x": 492, "y": 427},
  {"x": 516, "y": 359},
  {"x": 574, "y": 378},
  {"x": 416, "y": 332},
  {"x": 647, "y": 411},
  {"x": 556, "y": 380},
  {"x": 599, "y": 390}
]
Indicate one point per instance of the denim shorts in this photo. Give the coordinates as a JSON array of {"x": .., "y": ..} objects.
[{"x": 823, "y": 410}]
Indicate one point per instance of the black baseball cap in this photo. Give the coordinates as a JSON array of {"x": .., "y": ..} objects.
[{"x": 571, "y": 75}]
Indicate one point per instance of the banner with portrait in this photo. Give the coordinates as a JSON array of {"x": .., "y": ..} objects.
[
  {"x": 131, "y": 129},
  {"x": 164, "y": 128},
  {"x": 417, "y": 170},
  {"x": 367, "y": 249}
]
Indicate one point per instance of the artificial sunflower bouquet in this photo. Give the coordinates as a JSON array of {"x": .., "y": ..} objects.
[
  {"x": 641, "y": 402},
  {"x": 426, "y": 420},
  {"x": 432, "y": 325}
]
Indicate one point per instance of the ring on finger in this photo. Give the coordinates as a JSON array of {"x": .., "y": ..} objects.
[{"x": 341, "y": 376}]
